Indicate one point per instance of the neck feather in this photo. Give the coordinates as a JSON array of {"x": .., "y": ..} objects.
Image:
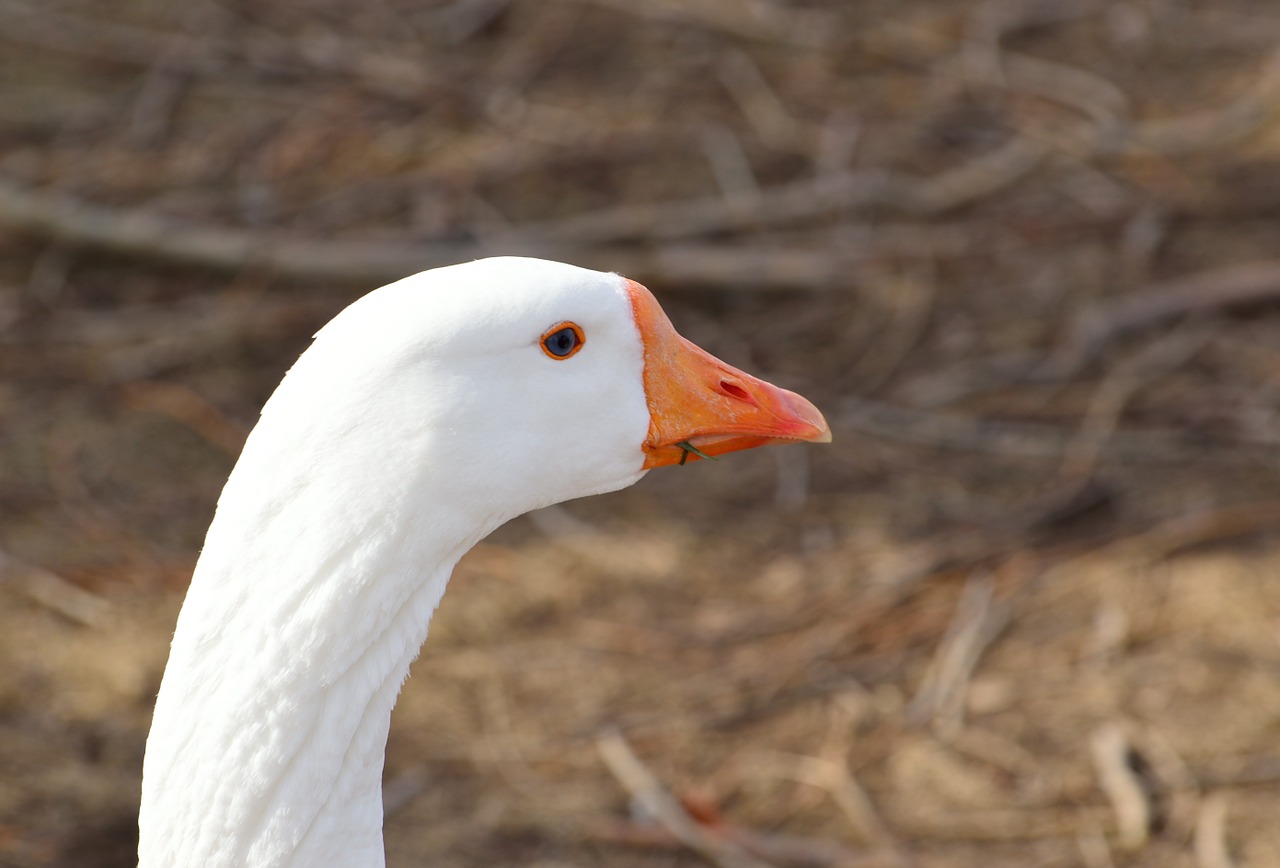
[{"x": 302, "y": 619}]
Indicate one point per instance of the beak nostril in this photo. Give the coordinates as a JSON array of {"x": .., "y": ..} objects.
[{"x": 733, "y": 390}]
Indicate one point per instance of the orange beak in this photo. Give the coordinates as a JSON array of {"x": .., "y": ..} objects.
[{"x": 699, "y": 406}]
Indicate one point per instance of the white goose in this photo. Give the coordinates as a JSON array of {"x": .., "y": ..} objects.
[{"x": 422, "y": 417}]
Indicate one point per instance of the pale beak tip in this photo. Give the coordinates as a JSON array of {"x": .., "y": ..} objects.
[{"x": 813, "y": 427}]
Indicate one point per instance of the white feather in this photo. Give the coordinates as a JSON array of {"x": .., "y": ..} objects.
[{"x": 421, "y": 418}]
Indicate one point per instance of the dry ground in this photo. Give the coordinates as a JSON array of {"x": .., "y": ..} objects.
[{"x": 1023, "y": 611}]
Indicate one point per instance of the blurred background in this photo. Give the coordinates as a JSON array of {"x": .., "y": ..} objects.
[{"x": 1024, "y": 611}]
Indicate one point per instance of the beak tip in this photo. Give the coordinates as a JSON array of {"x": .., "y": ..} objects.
[{"x": 813, "y": 425}]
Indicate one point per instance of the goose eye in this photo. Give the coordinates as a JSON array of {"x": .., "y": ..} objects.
[{"x": 562, "y": 341}]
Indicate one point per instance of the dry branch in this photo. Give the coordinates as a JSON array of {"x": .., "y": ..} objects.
[
  {"x": 761, "y": 20},
  {"x": 843, "y": 192},
  {"x": 981, "y": 55},
  {"x": 1111, "y": 134},
  {"x": 977, "y": 622},
  {"x": 138, "y": 341},
  {"x": 54, "y": 592},
  {"x": 141, "y": 232},
  {"x": 848, "y": 794},
  {"x": 775, "y": 846},
  {"x": 761, "y": 105},
  {"x": 188, "y": 408},
  {"x": 1233, "y": 288},
  {"x": 1094, "y": 849},
  {"x": 1117, "y": 389},
  {"x": 582, "y": 239},
  {"x": 809, "y": 199},
  {"x": 396, "y": 77},
  {"x": 658, "y": 803},
  {"x": 1017, "y": 439},
  {"x": 1211, "y": 834},
  {"x": 1134, "y": 813},
  {"x": 1003, "y": 825},
  {"x": 138, "y": 232},
  {"x": 121, "y": 43}
]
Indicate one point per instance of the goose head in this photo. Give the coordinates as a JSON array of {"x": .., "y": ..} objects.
[{"x": 518, "y": 383}]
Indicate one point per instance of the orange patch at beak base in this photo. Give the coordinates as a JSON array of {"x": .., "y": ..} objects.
[{"x": 699, "y": 401}]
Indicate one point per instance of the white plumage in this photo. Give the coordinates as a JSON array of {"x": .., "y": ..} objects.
[{"x": 422, "y": 417}]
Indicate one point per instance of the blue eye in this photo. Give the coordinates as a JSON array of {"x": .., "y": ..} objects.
[{"x": 562, "y": 341}]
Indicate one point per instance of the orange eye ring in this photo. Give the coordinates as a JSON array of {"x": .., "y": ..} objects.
[{"x": 562, "y": 341}]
